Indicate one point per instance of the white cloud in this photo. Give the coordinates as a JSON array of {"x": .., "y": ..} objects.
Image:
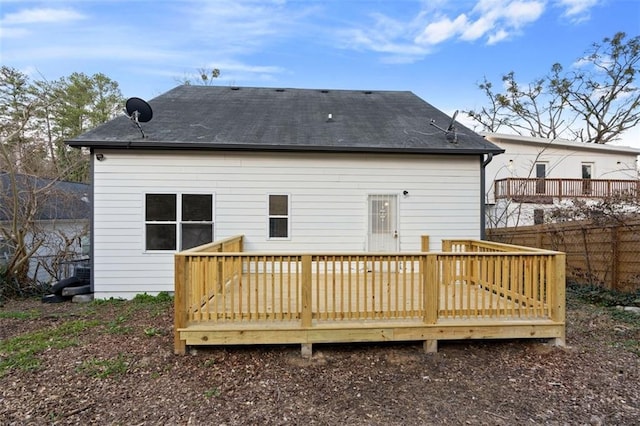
[
  {"x": 499, "y": 19},
  {"x": 478, "y": 28},
  {"x": 497, "y": 37},
  {"x": 40, "y": 16},
  {"x": 441, "y": 30},
  {"x": 577, "y": 10},
  {"x": 391, "y": 37},
  {"x": 492, "y": 21},
  {"x": 6, "y": 32},
  {"x": 519, "y": 13}
]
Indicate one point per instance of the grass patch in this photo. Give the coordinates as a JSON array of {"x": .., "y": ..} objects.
[
  {"x": 157, "y": 305},
  {"x": 22, "y": 352},
  {"x": 212, "y": 393},
  {"x": 152, "y": 331},
  {"x": 29, "y": 315},
  {"x": 104, "y": 368},
  {"x": 117, "y": 326},
  {"x": 146, "y": 299}
]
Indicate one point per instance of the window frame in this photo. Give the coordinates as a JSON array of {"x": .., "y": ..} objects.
[
  {"x": 178, "y": 222},
  {"x": 270, "y": 216}
]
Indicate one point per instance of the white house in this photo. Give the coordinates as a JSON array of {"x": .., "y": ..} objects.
[
  {"x": 534, "y": 175},
  {"x": 291, "y": 169},
  {"x": 55, "y": 218}
]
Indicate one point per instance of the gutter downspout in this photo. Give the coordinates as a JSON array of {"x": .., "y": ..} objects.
[
  {"x": 483, "y": 164},
  {"x": 92, "y": 173}
]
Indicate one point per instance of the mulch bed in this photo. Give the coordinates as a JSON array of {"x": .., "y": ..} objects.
[{"x": 122, "y": 370}]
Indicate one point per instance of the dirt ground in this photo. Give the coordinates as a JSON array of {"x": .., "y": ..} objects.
[{"x": 112, "y": 363}]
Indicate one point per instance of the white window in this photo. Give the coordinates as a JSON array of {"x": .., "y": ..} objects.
[
  {"x": 278, "y": 216},
  {"x": 170, "y": 219}
]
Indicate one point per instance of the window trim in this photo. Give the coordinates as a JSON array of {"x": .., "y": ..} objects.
[
  {"x": 269, "y": 217},
  {"x": 178, "y": 222}
]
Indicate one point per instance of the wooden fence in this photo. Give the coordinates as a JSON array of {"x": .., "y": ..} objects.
[
  {"x": 472, "y": 289},
  {"x": 597, "y": 254}
]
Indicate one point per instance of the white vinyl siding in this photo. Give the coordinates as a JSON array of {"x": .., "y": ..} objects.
[{"x": 327, "y": 196}]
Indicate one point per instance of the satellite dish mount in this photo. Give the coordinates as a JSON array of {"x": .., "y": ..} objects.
[
  {"x": 450, "y": 132},
  {"x": 139, "y": 111}
]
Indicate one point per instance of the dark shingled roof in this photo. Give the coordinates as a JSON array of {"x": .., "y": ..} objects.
[
  {"x": 53, "y": 199},
  {"x": 248, "y": 118}
]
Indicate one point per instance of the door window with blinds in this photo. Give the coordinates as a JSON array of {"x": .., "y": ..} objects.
[
  {"x": 178, "y": 221},
  {"x": 278, "y": 216}
]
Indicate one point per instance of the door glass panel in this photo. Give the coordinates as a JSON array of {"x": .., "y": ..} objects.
[
  {"x": 541, "y": 173},
  {"x": 587, "y": 171}
]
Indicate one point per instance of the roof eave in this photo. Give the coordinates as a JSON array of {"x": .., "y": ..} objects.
[{"x": 190, "y": 146}]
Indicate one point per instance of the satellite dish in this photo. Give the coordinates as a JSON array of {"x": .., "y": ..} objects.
[
  {"x": 139, "y": 110},
  {"x": 450, "y": 132},
  {"x": 452, "y": 122}
]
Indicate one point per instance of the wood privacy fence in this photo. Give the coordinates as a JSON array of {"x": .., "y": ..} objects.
[
  {"x": 606, "y": 255},
  {"x": 473, "y": 289}
]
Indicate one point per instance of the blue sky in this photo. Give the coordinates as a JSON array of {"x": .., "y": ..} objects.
[{"x": 438, "y": 49}]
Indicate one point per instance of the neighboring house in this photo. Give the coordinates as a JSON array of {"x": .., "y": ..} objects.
[
  {"x": 60, "y": 212},
  {"x": 293, "y": 170},
  {"x": 536, "y": 175}
]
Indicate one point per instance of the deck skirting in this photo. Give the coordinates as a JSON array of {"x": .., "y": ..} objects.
[{"x": 290, "y": 332}]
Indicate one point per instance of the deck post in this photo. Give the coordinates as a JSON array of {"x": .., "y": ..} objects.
[
  {"x": 306, "y": 315},
  {"x": 430, "y": 290},
  {"x": 559, "y": 296},
  {"x": 424, "y": 243},
  {"x": 179, "y": 304}
]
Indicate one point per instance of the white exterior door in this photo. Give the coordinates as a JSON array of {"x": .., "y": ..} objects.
[{"x": 383, "y": 223}]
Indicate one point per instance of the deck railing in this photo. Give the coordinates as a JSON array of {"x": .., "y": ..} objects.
[
  {"x": 541, "y": 189},
  {"x": 219, "y": 284}
]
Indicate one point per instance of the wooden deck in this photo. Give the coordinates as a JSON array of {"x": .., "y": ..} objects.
[{"x": 472, "y": 290}]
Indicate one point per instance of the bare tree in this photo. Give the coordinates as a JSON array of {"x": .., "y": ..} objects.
[
  {"x": 596, "y": 101},
  {"x": 35, "y": 119},
  {"x": 205, "y": 77}
]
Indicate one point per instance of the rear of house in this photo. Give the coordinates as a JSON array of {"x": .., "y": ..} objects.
[
  {"x": 536, "y": 175},
  {"x": 293, "y": 170}
]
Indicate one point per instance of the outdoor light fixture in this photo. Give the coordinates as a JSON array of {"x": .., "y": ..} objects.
[{"x": 100, "y": 157}]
